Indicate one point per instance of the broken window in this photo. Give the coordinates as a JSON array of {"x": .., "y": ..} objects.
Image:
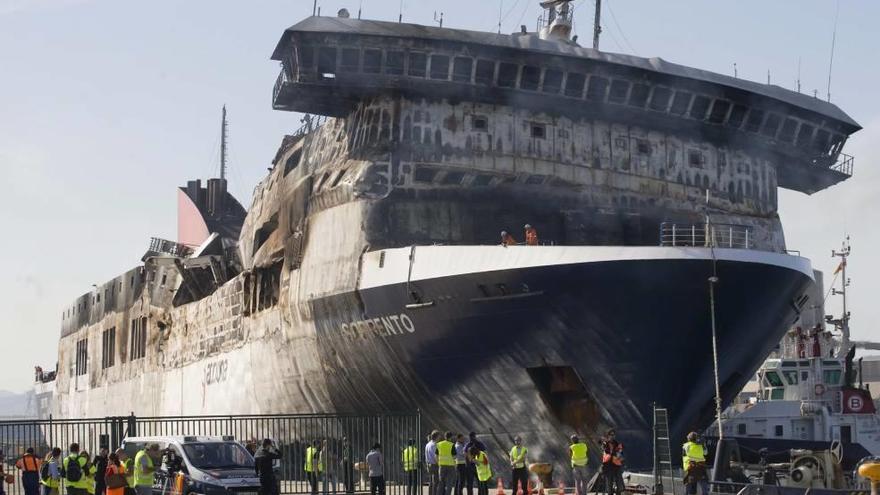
[
  {"x": 480, "y": 123},
  {"x": 695, "y": 158},
  {"x": 700, "y": 107},
  {"x": 453, "y": 178},
  {"x": 737, "y": 115},
  {"x": 820, "y": 142},
  {"x": 327, "y": 62},
  {"x": 539, "y": 131},
  {"x": 372, "y": 61},
  {"x": 82, "y": 356},
  {"x": 804, "y": 135},
  {"x": 262, "y": 234},
  {"x": 597, "y": 89},
  {"x": 425, "y": 174},
  {"x": 418, "y": 63},
  {"x": 574, "y": 84},
  {"x": 440, "y": 67},
  {"x": 482, "y": 180},
  {"x": 265, "y": 292},
  {"x": 292, "y": 162},
  {"x": 643, "y": 146},
  {"x": 719, "y": 111},
  {"x": 771, "y": 125},
  {"x": 507, "y": 75},
  {"x": 306, "y": 56},
  {"x": 619, "y": 91},
  {"x": 485, "y": 73},
  {"x": 660, "y": 98},
  {"x": 531, "y": 77},
  {"x": 351, "y": 60},
  {"x": 681, "y": 103},
  {"x": 394, "y": 63},
  {"x": 552, "y": 81},
  {"x": 639, "y": 95},
  {"x": 754, "y": 120},
  {"x": 338, "y": 179},
  {"x": 462, "y": 68},
  {"x": 788, "y": 129},
  {"x": 108, "y": 348},
  {"x": 536, "y": 180}
]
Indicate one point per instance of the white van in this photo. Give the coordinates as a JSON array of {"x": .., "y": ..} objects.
[{"x": 209, "y": 465}]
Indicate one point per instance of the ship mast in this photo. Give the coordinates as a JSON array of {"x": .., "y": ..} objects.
[
  {"x": 597, "y": 27},
  {"x": 843, "y": 322},
  {"x": 223, "y": 146}
]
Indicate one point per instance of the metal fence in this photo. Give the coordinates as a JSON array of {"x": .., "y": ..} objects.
[
  {"x": 347, "y": 439},
  {"x": 701, "y": 235}
]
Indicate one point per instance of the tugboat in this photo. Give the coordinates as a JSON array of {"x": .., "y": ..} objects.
[{"x": 807, "y": 394}]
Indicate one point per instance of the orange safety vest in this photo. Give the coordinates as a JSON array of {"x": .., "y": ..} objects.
[
  {"x": 610, "y": 456},
  {"x": 28, "y": 464},
  {"x": 532, "y": 237}
]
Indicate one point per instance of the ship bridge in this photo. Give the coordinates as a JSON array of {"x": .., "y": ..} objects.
[{"x": 330, "y": 64}]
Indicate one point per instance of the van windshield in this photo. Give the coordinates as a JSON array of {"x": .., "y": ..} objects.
[{"x": 217, "y": 455}]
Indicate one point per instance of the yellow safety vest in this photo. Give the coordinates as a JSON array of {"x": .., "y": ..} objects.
[
  {"x": 82, "y": 464},
  {"x": 518, "y": 456},
  {"x": 311, "y": 452},
  {"x": 89, "y": 476},
  {"x": 410, "y": 454},
  {"x": 129, "y": 471},
  {"x": 579, "y": 452},
  {"x": 141, "y": 478},
  {"x": 484, "y": 470},
  {"x": 692, "y": 452},
  {"x": 51, "y": 482},
  {"x": 445, "y": 453}
]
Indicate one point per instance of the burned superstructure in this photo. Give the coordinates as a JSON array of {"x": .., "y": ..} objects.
[{"x": 366, "y": 275}]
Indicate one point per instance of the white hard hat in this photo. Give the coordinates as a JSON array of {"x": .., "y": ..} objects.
[
  {"x": 527, "y": 226},
  {"x": 503, "y": 232}
]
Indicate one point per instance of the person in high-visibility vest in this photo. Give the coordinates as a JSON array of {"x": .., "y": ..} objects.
[
  {"x": 612, "y": 463},
  {"x": 89, "y": 474},
  {"x": 52, "y": 480},
  {"x": 144, "y": 467},
  {"x": 484, "y": 469},
  {"x": 446, "y": 462},
  {"x": 313, "y": 467},
  {"x": 693, "y": 462},
  {"x": 410, "y": 459},
  {"x": 519, "y": 479},
  {"x": 73, "y": 467},
  {"x": 579, "y": 455},
  {"x": 29, "y": 465}
]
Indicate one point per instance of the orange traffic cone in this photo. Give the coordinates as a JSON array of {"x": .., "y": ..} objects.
[{"x": 500, "y": 487}]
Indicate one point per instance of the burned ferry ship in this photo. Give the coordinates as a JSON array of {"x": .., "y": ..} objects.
[{"x": 366, "y": 276}]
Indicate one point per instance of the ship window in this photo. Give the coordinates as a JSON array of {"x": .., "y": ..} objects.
[
  {"x": 417, "y": 64},
  {"x": 539, "y": 131},
  {"x": 462, "y": 68},
  {"x": 699, "y": 107},
  {"x": 788, "y": 130},
  {"x": 695, "y": 158},
  {"x": 351, "y": 60},
  {"x": 754, "y": 120},
  {"x": 108, "y": 348},
  {"x": 480, "y": 124},
  {"x": 82, "y": 356},
  {"x": 531, "y": 77},
  {"x": 453, "y": 178},
  {"x": 338, "y": 178},
  {"x": 741, "y": 429},
  {"x": 737, "y": 115},
  {"x": 777, "y": 393},
  {"x": 773, "y": 379},
  {"x": 507, "y": 75},
  {"x": 292, "y": 162},
  {"x": 326, "y": 62},
  {"x": 831, "y": 377},
  {"x": 771, "y": 125},
  {"x": 536, "y": 180},
  {"x": 791, "y": 376},
  {"x": 643, "y": 146},
  {"x": 574, "y": 84},
  {"x": 596, "y": 91},
  {"x": 482, "y": 180},
  {"x": 485, "y": 72},
  {"x": 719, "y": 111},
  {"x": 619, "y": 90},
  {"x": 805, "y": 375},
  {"x": 306, "y": 56},
  {"x": 440, "y": 67},
  {"x": 425, "y": 174},
  {"x": 681, "y": 103},
  {"x": 552, "y": 81},
  {"x": 372, "y": 61},
  {"x": 660, "y": 98},
  {"x": 777, "y": 430},
  {"x": 639, "y": 95},
  {"x": 804, "y": 135},
  {"x": 820, "y": 142},
  {"x": 394, "y": 63}
]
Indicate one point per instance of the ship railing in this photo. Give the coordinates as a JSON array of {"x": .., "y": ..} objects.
[
  {"x": 703, "y": 235},
  {"x": 844, "y": 164},
  {"x": 164, "y": 246},
  {"x": 310, "y": 123},
  {"x": 279, "y": 83}
]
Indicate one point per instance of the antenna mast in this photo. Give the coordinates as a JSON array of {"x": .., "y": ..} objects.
[
  {"x": 843, "y": 254},
  {"x": 223, "y": 146},
  {"x": 597, "y": 27},
  {"x": 833, "y": 41}
]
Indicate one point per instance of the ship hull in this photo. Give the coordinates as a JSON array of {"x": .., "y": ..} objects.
[{"x": 546, "y": 346}]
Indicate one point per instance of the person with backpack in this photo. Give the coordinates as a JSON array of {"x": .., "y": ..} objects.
[
  {"x": 29, "y": 465},
  {"x": 50, "y": 473},
  {"x": 72, "y": 468}
]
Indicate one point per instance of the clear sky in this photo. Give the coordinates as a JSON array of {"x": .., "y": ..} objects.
[{"x": 107, "y": 105}]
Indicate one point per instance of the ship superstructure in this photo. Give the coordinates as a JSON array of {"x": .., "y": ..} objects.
[{"x": 366, "y": 275}]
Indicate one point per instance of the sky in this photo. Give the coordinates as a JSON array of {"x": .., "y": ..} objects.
[{"x": 106, "y": 106}]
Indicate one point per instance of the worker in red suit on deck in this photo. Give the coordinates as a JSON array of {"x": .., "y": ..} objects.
[{"x": 531, "y": 235}]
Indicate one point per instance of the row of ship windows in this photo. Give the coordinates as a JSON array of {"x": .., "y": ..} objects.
[
  {"x": 109, "y": 294},
  {"x": 327, "y": 61},
  {"x": 137, "y": 347}
]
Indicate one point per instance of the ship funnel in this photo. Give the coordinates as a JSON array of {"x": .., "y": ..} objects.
[
  {"x": 216, "y": 195},
  {"x": 557, "y": 20}
]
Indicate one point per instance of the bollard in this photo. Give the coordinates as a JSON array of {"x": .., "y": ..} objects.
[{"x": 871, "y": 470}]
